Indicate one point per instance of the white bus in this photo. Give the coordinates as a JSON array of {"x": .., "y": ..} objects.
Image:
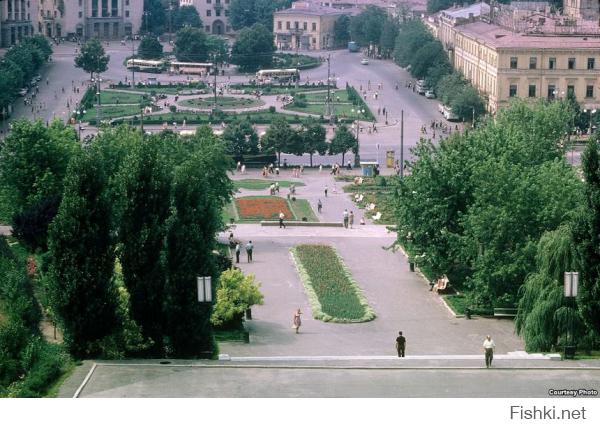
[
  {"x": 449, "y": 114},
  {"x": 146, "y": 65},
  {"x": 278, "y": 75},
  {"x": 201, "y": 68}
]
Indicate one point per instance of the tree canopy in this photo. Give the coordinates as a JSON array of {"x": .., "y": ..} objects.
[
  {"x": 92, "y": 57},
  {"x": 190, "y": 45},
  {"x": 253, "y": 48},
  {"x": 246, "y": 13},
  {"x": 187, "y": 16},
  {"x": 150, "y": 48}
]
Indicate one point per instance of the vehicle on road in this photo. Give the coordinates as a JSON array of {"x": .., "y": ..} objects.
[
  {"x": 201, "y": 68},
  {"x": 23, "y": 92},
  {"x": 278, "y": 75},
  {"x": 353, "y": 47},
  {"x": 429, "y": 94},
  {"x": 449, "y": 114},
  {"x": 420, "y": 87},
  {"x": 364, "y": 61},
  {"x": 146, "y": 65}
]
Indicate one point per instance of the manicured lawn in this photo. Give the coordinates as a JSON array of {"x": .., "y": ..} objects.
[
  {"x": 115, "y": 97},
  {"x": 338, "y": 96},
  {"x": 302, "y": 209},
  {"x": 276, "y": 90},
  {"x": 229, "y": 213},
  {"x": 458, "y": 303},
  {"x": 259, "y": 208},
  {"x": 285, "y": 60},
  {"x": 111, "y": 112},
  {"x": 171, "y": 90},
  {"x": 333, "y": 294},
  {"x": 223, "y": 103},
  {"x": 340, "y": 110},
  {"x": 379, "y": 191},
  {"x": 257, "y": 184}
]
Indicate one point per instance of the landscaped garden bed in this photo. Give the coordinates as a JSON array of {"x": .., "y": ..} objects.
[
  {"x": 301, "y": 62},
  {"x": 223, "y": 103},
  {"x": 378, "y": 191},
  {"x": 257, "y": 184},
  {"x": 334, "y": 295},
  {"x": 259, "y": 208}
]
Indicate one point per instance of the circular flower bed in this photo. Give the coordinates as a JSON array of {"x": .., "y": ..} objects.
[{"x": 223, "y": 103}]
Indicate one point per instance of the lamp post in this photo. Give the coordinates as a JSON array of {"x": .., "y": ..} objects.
[
  {"x": 358, "y": 111},
  {"x": 204, "y": 285},
  {"x": 591, "y": 112},
  {"x": 571, "y": 285}
]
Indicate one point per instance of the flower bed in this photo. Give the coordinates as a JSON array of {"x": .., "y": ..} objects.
[
  {"x": 262, "y": 208},
  {"x": 334, "y": 296}
]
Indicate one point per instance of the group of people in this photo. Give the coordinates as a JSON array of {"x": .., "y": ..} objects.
[
  {"x": 348, "y": 219},
  {"x": 298, "y": 171},
  {"x": 236, "y": 246},
  {"x": 240, "y": 167}
]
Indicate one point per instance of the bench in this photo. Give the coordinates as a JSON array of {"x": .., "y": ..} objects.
[{"x": 505, "y": 312}]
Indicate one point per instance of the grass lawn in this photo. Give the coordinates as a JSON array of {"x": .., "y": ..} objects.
[
  {"x": 171, "y": 90},
  {"x": 253, "y": 209},
  {"x": 223, "y": 103},
  {"x": 229, "y": 212},
  {"x": 340, "y": 110},
  {"x": 111, "y": 112},
  {"x": 285, "y": 60},
  {"x": 338, "y": 96},
  {"x": 111, "y": 97},
  {"x": 333, "y": 294},
  {"x": 378, "y": 191},
  {"x": 257, "y": 184},
  {"x": 301, "y": 209},
  {"x": 458, "y": 303},
  {"x": 276, "y": 90}
]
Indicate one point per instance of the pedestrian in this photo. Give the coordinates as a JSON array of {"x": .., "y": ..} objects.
[
  {"x": 297, "y": 320},
  {"x": 346, "y": 217},
  {"x": 351, "y": 219},
  {"x": 249, "y": 249},
  {"x": 400, "y": 344},
  {"x": 320, "y": 169},
  {"x": 488, "y": 349},
  {"x": 319, "y": 206},
  {"x": 239, "y": 166},
  {"x": 243, "y": 169},
  {"x": 281, "y": 217},
  {"x": 238, "y": 249},
  {"x": 326, "y": 189}
]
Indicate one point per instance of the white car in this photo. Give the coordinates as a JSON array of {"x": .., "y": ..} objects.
[
  {"x": 364, "y": 61},
  {"x": 429, "y": 94}
]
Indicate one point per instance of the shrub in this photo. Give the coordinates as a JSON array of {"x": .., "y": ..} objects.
[
  {"x": 172, "y": 108},
  {"x": 272, "y": 109},
  {"x": 236, "y": 292}
]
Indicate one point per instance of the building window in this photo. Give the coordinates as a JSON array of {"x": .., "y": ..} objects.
[
  {"x": 208, "y": 12},
  {"x": 305, "y": 26},
  {"x": 80, "y": 14},
  {"x": 314, "y": 26},
  {"x": 279, "y": 25},
  {"x": 126, "y": 2},
  {"x": 571, "y": 90},
  {"x": 126, "y": 14},
  {"x": 513, "y": 62},
  {"x": 512, "y": 91},
  {"x": 207, "y": 29},
  {"x": 296, "y": 25},
  {"x": 80, "y": 3},
  {"x": 532, "y": 91},
  {"x": 591, "y": 63},
  {"x": 589, "y": 91},
  {"x": 551, "y": 92},
  {"x": 571, "y": 64},
  {"x": 208, "y": 1},
  {"x": 532, "y": 63},
  {"x": 218, "y": 12},
  {"x": 226, "y": 12},
  {"x": 287, "y": 25},
  {"x": 552, "y": 63}
]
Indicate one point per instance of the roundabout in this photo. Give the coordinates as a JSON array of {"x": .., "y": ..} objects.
[{"x": 223, "y": 103}]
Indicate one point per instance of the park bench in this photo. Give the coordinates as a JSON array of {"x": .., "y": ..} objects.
[{"x": 505, "y": 312}]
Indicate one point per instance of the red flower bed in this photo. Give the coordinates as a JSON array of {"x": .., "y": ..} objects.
[{"x": 263, "y": 208}]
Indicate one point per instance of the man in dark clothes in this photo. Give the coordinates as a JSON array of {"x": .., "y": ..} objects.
[{"x": 400, "y": 344}]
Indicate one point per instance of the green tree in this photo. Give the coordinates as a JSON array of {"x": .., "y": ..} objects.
[
  {"x": 342, "y": 142},
  {"x": 150, "y": 48},
  {"x": 313, "y": 137},
  {"x": 187, "y": 16},
  {"x": 277, "y": 138},
  {"x": 253, "y": 48},
  {"x": 341, "y": 31},
  {"x": 468, "y": 104},
  {"x": 81, "y": 258},
  {"x": 387, "y": 40},
  {"x": 92, "y": 58},
  {"x": 426, "y": 57},
  {"x": 155, "y": 20},
  {"x": 217, "y": 47},
  {"x": 246, "y": 13},
  {"x": 240, "y": 139},
  {"x": 236, "y": 293},
  {"x": 366, "y": 27},
  {"x": 144, "y": 184},
  {"x": 190, "y": 45},
  {"x": 412, "y": 35}
]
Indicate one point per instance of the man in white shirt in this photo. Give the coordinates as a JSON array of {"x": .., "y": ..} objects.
[
  {"x": 281, "y": 217},
  {"x": 488, "y": 348}
]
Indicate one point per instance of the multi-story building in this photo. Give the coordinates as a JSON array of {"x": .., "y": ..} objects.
[
  {"x": 15, "y": 21},
  {"x": 306, "y": 26},
  {"x": 532, "y": 62},
  {"x": 213, "y": 13},
  {"x": 582, "y": 9}
]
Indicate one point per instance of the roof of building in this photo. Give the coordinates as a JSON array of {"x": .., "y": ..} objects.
[
  {"x": 498, "y": 37},
  {"x": 308, "y": 8},
  {"x": 476, "y": 9}
]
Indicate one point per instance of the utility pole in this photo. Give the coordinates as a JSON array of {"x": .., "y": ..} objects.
[
  {"x": 328, "y": 110},
  {"x": 402, "y": 144},
  {"x": 98, "y": 115},
  {"x": 133, "y": 68},
  {"x": 215, "y": 71},
  {"x": 170, "y": 19}
]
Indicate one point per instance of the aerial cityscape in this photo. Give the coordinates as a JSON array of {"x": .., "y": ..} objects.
[{"x": 300, "y": 199}]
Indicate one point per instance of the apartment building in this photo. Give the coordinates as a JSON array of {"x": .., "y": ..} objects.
[
  {"x": 305, "y": 26},
  {"x": 533, "y": 62},
  {"x": 213, "y": 13},
  {"x": 15, "y": 21}
]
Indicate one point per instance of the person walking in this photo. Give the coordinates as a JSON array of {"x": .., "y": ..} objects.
[
  {"x": 281, "y": 217},
  {"x": 238, "y": 249},
  {"x": 319, "y": 206},
  {"x": 346, "y": 217},
  {"x": 400, "y": 344},
  {"x": 249, "y": 249},
  {"x": 488, "y": 349},
  {"x": 326, "y": 190},
  {"x": 351, "y": 219},
  {"x": 297, "y": 320}
]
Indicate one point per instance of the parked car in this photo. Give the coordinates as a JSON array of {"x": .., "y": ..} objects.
[
  {"x": 23, "y": 92},
  {"x": 364, "y": 61},
  {"x": 429, "y": 94}
]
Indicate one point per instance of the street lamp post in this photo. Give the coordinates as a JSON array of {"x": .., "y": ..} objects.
[
  {"x": 358, "y": 111},
  {"x": 571, "y": 285},
  {"x": 591, "y": 112}
]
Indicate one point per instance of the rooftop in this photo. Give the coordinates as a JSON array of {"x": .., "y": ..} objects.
[
  {"x": 499, "y": 37},
  {"x": 476, "y": 9},
  {"x": 308, "y": 8}
]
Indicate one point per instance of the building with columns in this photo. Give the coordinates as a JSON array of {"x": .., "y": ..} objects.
[
  {"x": 213, "y": 13},
  {"x": 15, "y": 21}
]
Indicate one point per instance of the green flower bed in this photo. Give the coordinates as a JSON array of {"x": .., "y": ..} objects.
[
  {"x": 301, "y": 209},
  {"x": 117, "y": 97},
  {"x": 333, "y": 294},
  {"x": 222, "y": 102},
  {"x": 301, "y": 62},
  {"x": 279, "y": 89},
  {"x": 257, "y": 184}
]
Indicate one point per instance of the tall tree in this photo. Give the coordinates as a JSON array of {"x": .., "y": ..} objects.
[
  {"x": 150, "y": 48},
  {"x": 144, "y": 183},
  {"x": 155, "y": 18},
  {"x": 190, "y": 45},
  {"x": 366, "y": 27},
  {"x": 81, "y": 258},
  {"x": 278, "y": 137},
  {"x": 240, "y": 139},
  {"x": 253, "y": 48},
  {"x": 342, "y": 142},
  {"x": 217, "y": 47},
  {"x": 341, "y": 31},
  {"x": 246, "y": 13},
  {"x": 387, "y": 41},
  {"x": 313, "y": 137},
  {"x": 187, "y": 16},
  {"x": 92, "y": 58}
]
